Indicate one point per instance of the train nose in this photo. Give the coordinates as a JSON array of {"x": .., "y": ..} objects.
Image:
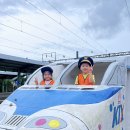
[{"x": 54, "y": 120}]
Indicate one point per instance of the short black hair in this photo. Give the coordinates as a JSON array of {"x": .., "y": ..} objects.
[{"x": 49, "y": 69}]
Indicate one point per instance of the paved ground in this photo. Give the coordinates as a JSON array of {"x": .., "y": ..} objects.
[{"x": 3, "y": 96}]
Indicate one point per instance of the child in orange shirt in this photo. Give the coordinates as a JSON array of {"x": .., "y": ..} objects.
[
  {"x": 47, "y": 76},
  {"x": 86, "y": 77}
]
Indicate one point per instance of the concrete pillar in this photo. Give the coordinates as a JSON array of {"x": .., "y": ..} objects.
[
  {"x": 3, "y": 86},
  {"x": 18, "y": 78}
]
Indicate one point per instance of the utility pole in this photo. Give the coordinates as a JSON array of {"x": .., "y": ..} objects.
[
  {"x": 54, "y": 55},
  {"x": 49, "y": 55},
  {"x": 77, "y": 54},
  {"x": 42, "y": 57}
]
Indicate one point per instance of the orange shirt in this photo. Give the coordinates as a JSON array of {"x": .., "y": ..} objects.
[
  {"x": 87, "y": 79},
  {"x": 44, "y": 83}
]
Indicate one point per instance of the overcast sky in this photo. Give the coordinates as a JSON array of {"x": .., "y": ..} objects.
[{"x": 89, "y": 26}]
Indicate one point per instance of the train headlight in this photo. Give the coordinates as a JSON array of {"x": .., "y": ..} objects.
[
  {"x": 2, "y": 116},
  {"x": 47, "y": 122}
]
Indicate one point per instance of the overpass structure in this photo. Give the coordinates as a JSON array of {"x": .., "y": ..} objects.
[
  {"x": 17, "y": 64},
  {"x": 13, "y": 66},
  {"x": 7, "y": 75}
]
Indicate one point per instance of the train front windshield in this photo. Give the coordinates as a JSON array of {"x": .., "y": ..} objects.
[
  {"x": 69, "y": 76},
  {"x": 57, "y": 69}
]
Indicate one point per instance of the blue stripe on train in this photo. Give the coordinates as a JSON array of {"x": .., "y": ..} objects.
[{"x": 31, "y": 101}]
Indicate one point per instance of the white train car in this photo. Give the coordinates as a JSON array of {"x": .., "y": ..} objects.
[{"x": 65, "y": 106}]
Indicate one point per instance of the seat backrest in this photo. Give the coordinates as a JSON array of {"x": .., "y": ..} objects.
[{"x": 70, "y": 75}]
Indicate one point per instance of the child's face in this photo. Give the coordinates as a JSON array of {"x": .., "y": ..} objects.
[
  {"x": 47, "y": 76},
  {"x": 86, "y": 68}
]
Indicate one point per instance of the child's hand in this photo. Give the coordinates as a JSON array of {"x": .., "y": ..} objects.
[
  {"x": 91, "y": 70},
  {"x": 36, "y": 81}
]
